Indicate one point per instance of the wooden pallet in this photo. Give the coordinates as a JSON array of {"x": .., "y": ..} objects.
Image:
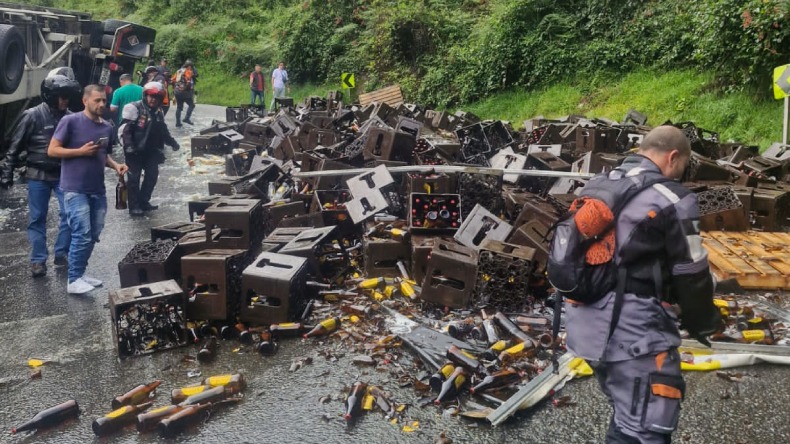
[
  {"x": 757, "y": 260},
  {"x": 390, "y": 95}
]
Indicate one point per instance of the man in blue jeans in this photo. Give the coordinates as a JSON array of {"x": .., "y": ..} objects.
[
  {"x": 28, "y": 146},
  {"x": 84, "y": 141}
]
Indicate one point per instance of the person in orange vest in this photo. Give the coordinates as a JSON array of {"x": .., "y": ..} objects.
[{"x": 184, "y": 89}]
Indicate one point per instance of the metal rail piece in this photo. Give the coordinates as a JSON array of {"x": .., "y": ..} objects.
[{"x": 448, "y": 169}]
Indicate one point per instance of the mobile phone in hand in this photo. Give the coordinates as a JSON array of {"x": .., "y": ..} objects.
[{"x": 102, "y": 141}]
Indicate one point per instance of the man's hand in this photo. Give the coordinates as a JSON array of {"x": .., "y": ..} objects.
[
  {"x": 176, "y": 146},
  {"x": 89, "y": 149},
  {"x": 121, "y": 168}
]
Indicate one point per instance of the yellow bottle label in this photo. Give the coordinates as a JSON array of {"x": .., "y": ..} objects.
[
  {"x": 753, "y": 335},
  {"x": 721, "y": 303},
  {"x": 467, "y": 354},
  {"x": 447, "y": 370},
  {"x": 388, "y": 290},
  {"x": 329, "y": 324},
  {"x": 459, "y": 381},
  {"x": 216, "y": 381},
  {"x": 287, "y": 325},
  {"x": 499, "y": 346},
  {"x": 371, "y": 283},
  {"x": 378, "y": 297},
  {"x": 367, "y": 402},
  {"x": 160, "y": 409},
  {"x": 119, "y": 412},
  {"x": 189, "y": 391},
  {"x": 516, "y": 349},
  {"x": 754, "y": 320}
]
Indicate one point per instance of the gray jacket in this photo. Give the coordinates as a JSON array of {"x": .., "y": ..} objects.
[{"x": 658, "y": 242}]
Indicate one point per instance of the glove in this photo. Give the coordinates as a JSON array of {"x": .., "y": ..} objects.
[{"x": 176, "y": 147}]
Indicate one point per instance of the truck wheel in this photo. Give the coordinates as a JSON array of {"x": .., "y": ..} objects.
[{"x": 12, "y": 58}]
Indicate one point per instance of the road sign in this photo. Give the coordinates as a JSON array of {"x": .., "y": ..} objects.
[
  {"x": 347, "y": 80},
  {"x": 781, "y": 81}
]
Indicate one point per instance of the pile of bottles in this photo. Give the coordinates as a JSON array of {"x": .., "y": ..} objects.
[
  {"x": 745, "y": 324},
  {"x": 188, "y": 407}
]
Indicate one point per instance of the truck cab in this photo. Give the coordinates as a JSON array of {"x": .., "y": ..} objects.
[{"x": 36, "y": 39}]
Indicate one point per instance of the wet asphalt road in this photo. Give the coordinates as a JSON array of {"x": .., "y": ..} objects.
[{"x": 38, "y": 319}]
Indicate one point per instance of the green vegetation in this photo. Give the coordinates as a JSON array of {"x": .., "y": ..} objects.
[{"x": 703, "y": 60}]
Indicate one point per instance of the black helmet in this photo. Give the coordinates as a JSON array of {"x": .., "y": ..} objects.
[
  {"x": 151, "y": 69},
  {"x": 59, "y": 86}
]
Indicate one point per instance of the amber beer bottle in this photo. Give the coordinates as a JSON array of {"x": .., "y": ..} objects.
[
  {"x": 512, "y": 328},
  {"x": 176, "y": 423},
  {"x": 354, "y": 400},
  {"x": 267, "y": 346},
  {"x": 496, "y": 380},
  {"x": 149, "y": 420},
  {"x": 323, "y": 328},
  {"x": 118, "y": 419},
  {"x": 452, "y": 386},
  {"x": 120, "y": 194},
  {"x": 287, "y": 330},
  {"x": 461, "y": 358},
  {"x": 436, "y": 379},
  {"x": 50, "y": 417},
  {"x": 179, "y": 395},
  {"x": 135, "y": 396},
  {"x": 208, "y": 352},
  {"x": 235, "y": 381},
  {"x": 215, "y": 394}
]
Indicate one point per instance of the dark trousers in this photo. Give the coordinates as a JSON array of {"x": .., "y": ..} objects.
[
  {"x": 180, "y": 101},
  {"x": 146, "y": 165}
]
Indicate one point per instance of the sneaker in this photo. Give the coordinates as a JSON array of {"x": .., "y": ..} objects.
[
  {"x": 179, "y": 125},
  {"x": 38, "y": 269},
  {"x": 61, "y": 261},
  {"x": 79, "y": 287},
  {"x": 149, "y": 207},
  {"x": 188, "y": 121},
  {"x": 93, "y": 282}
]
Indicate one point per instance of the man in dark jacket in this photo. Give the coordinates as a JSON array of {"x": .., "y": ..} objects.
[
  {"x": 184, "y": 91},
  {"x": 631, "y": 339},
  {"x": 29, "y": 145},
  {"x": 144, "y": 134}
]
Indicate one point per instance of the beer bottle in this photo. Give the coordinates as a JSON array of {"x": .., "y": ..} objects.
[
  {"x": 496, "y": 380},
  {"x": 491, "y": 334},
  {"x": 208, "y": 352},
  {"x": 176, "y": 423},
  {"x": 50, "y": 417},
  {"x": 369, "y": 284},
  {"x": 751, "y": 336},
  {"x": 211, "y": 395},
  {"x": 517, "y": 350},
  {"x": 118, "y": 419},
  {"x": 120, "y": 194},
  {"x": 498, "y": 347},
  {"x": 381, "y": 399},
  {"x": 192, "y": 333},
  {"x": 452, "y": 386},
  {"x": 287, "y": 330},
  {"x": 267, "y": 346},
  {"x": 354, "y": 400},
  {"x": 135, "y": 396},
  {"x": 459, "y": 329},
  {"x": 228, "y": 332},
  {"x": 245, "y": 337},
  {"x": 508, "y": 325},
  {"x": 206, "y": 329},
  {"x": 406, "y": 288},
  {"x": 149, "y": 420},
  {"x": 323, "y": 328},
  {"x": 436, "y": 379},
  {"x": 234, "y": 381},
  {"x": 464, "y": 359},
  {"x": 532, "y": 323},
  {"x": 179, "y": 395}
]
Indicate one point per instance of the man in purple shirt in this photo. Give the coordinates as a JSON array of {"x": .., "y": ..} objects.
[{"x": 84, "y": 141}]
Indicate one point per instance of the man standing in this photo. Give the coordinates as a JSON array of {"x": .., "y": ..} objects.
[
  {"x": 184, "y": 89},
  {"x": 144, "y": 135},
  {"x": 629, "y": 336},
  {"x": 127, "y": 93},
  {"x": 163, "y": 69},
  {"x": 279, "y": 82},
  {"x": 29, "y": 144},
  {"x": 257, "y": 86},
  {"x": 84, "y": 141}
]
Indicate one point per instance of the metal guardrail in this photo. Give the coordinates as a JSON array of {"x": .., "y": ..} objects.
[{"x": 448, "y": 169}]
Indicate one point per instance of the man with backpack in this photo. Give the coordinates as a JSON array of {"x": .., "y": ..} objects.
[
  {"x": 184, "y": 88},
  {"x": 630, "y": 262},
  {"x": 144, "y": 134}
]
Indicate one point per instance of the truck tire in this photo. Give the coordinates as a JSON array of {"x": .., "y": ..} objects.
[{"x": 12, "y": 58}]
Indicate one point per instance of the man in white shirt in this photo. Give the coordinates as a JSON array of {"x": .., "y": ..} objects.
[{"x": 279, "y": 82}]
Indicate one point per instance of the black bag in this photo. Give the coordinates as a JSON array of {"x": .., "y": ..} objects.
[{"x": 568, "y": 268}]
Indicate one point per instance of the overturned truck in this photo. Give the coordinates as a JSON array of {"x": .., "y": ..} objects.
[{"x": 34, "y": 40}]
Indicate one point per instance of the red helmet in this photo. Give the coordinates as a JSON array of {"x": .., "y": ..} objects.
[{"x": 154, "y": 89}]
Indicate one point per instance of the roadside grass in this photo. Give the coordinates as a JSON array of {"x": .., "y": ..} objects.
[{"x": 678, "y": 96}]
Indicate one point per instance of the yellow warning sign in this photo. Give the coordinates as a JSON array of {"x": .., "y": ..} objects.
[{"x": 781, "y": 81}]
